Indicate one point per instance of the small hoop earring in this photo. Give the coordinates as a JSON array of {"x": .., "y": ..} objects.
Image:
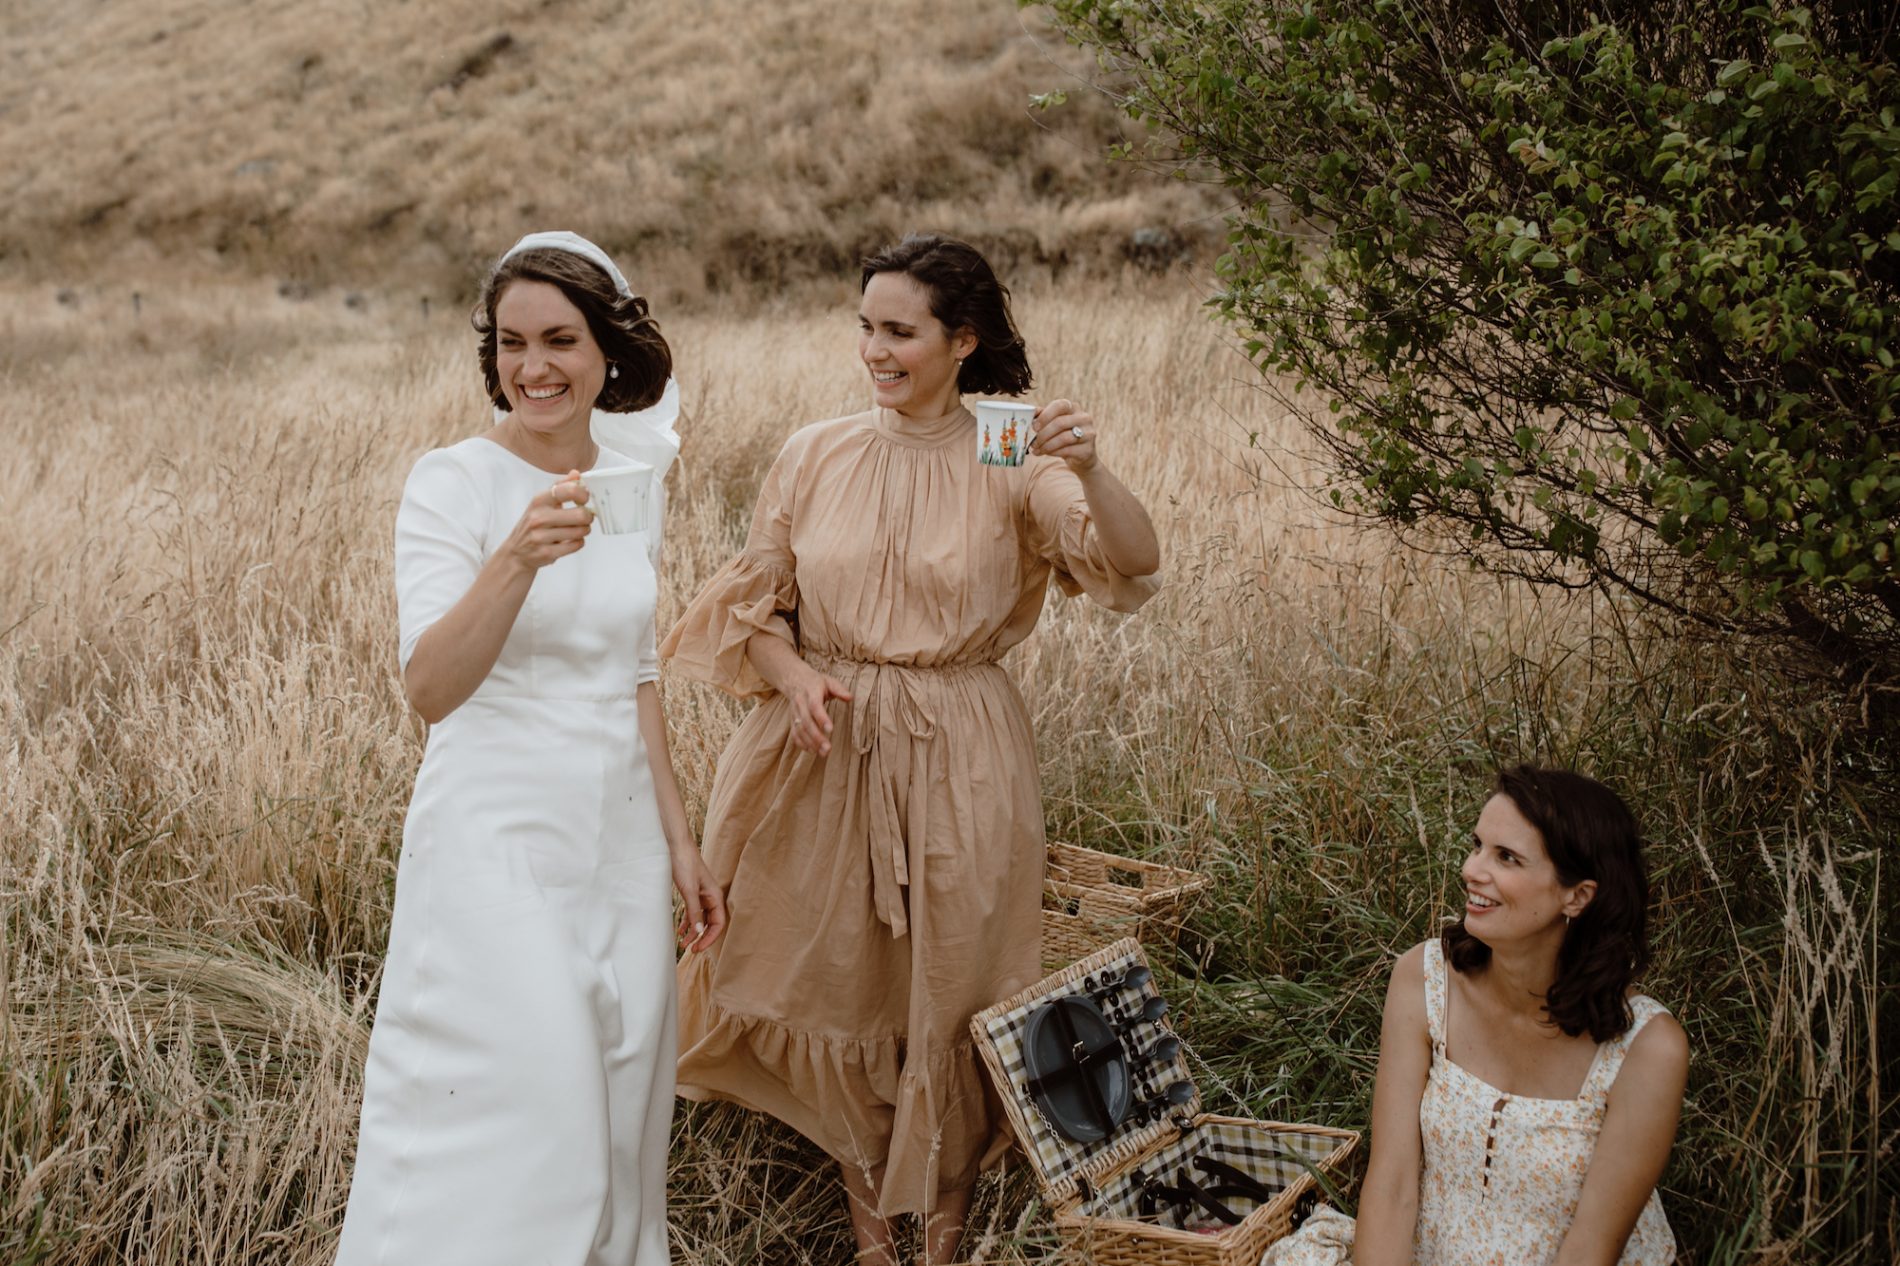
[{"x": 613, "y": 371}]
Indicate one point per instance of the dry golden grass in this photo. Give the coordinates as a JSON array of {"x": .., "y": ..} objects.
[
  {"x": 204, "y": 753},
  {"x": 726, "y": 142},
  {"x": 205, "y": 758},
  {"x": 207, "y": 755}
]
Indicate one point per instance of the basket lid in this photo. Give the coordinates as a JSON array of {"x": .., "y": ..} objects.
[{"x": 1117, "y": 982}]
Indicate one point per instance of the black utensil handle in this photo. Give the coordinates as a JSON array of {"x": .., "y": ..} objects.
[
  {"x": 1189, "y": 1190},
  {"x": 1234, "y": 1181}
]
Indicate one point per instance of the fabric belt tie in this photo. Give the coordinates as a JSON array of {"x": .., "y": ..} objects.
[{"x": 890, "y": 711}]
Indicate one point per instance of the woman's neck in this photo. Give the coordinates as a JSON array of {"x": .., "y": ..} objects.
[
  {"x": 1520, "y": 975},
  {"x": 570, "y": 448},
  {"x": 924, "y": 414}
]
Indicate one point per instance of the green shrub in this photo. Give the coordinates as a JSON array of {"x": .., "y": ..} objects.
[{"x": 1599, "y": 296}]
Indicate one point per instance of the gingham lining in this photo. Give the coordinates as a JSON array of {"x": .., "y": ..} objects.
[
  {"x": 1058, "y": 1158},
  {"x": 1272, "y": 1157}
]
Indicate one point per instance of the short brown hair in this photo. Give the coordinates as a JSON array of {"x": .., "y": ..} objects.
[
  {"x": 964, "y": 294},
  {"x": 629, "y": 338}
]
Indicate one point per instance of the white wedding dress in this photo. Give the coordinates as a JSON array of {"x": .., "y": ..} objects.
[{"x": 520, "y": 1080}]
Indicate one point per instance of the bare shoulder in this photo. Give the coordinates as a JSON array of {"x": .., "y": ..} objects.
[
  {"x": 1661, "y": 1050},
  {"x": 1405, "y": 991},
  {"x": 1409, "y": 968}
]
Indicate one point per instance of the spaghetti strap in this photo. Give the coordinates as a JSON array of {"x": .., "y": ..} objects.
[
  {"x": 1609, "y": 1058},
  {"x": 1435, "y": 993}
]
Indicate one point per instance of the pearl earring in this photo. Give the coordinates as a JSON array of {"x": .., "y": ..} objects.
[{"x": 613, "y": 371}]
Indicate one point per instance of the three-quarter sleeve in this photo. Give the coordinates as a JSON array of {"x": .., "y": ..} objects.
[
  {"x": 438, "y": 546},
  {"x": 648, "y": 668},
  {"x": 755, "y": 592},
  {"x": 1062, "y": 530}
]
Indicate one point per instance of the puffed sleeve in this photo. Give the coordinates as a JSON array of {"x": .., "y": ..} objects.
[
  {"x": 754, "y": 593},
  {"x": 1062, "y": 530},
  {"x": 438, "y": 545}
]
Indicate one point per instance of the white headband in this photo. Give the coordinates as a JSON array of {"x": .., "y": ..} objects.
[{"x": 573, "y": 244}]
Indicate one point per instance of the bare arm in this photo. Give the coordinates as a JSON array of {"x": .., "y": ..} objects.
[
  {"x": 1639, "y": 1128},
  {"x": 456, "y": 653},
  {"x": 1388, "y": 1203},
  {"x": 1122, "y": 525},
  {"x": 804, "y": 687},
  {"x": 705, "y": 903}
]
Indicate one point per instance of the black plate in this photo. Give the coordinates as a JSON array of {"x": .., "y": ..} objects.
[{"x": 1078, "y": 1072}]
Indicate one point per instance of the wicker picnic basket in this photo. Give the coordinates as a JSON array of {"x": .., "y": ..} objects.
[
  {"x": 1092, "y": 899},
  {"x": 1095, "y": 1189}
]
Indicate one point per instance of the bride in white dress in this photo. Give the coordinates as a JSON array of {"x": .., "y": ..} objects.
[{"x": 520, "y": 1081}]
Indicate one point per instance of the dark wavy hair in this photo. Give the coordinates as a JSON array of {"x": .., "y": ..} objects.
[
  {"x": 964, "y": 294},
  {"x": 1589, "y": 833},
  {"x": 628, "y": 336}
]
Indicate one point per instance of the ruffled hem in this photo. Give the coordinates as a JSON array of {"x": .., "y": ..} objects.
[
  {"x": 1082, "y": 567},
  {"x": 744, "y": 597},
  {"x": 930, "y": 1129}
]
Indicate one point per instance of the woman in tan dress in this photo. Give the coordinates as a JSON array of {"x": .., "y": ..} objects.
[{"x": 877, "y": 819}]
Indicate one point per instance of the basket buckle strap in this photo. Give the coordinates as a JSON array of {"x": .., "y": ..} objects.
[{"x": 1228, "y": 1181}]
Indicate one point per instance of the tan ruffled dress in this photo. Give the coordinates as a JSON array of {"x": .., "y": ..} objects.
[{"x": 883, "y": 894}]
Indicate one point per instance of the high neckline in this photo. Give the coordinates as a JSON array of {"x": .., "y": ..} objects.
[{"x": 929, "y": 433}]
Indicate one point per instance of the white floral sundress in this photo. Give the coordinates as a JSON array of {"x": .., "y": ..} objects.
[{"x": 1501, "y": 1173}]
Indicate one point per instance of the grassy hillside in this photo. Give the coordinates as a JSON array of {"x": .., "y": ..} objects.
[
  {"x": 205, "y": 756},
  {"x": 204, "y": 750},
  {"x": 721, "y": 143}
]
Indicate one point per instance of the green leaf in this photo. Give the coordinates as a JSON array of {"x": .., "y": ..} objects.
[{"x": 1726, "y": 252}]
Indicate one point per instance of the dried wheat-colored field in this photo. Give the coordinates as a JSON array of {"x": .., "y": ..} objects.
[{"x": 205, "y": 758}]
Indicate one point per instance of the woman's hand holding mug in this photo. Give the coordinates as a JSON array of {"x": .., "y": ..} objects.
[
  {"x": 554, "y": 525},
  {"x": 1065, "y": 431}
]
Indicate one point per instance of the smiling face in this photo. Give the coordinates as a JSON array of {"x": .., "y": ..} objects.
[
  {"x": 913, "y": 360},
  {"x": 549, "y": 365},
  {"x": 1512, "y": 889}
]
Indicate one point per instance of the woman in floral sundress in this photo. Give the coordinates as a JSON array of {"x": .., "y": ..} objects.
[{"x": 1526, "y": 1099}]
